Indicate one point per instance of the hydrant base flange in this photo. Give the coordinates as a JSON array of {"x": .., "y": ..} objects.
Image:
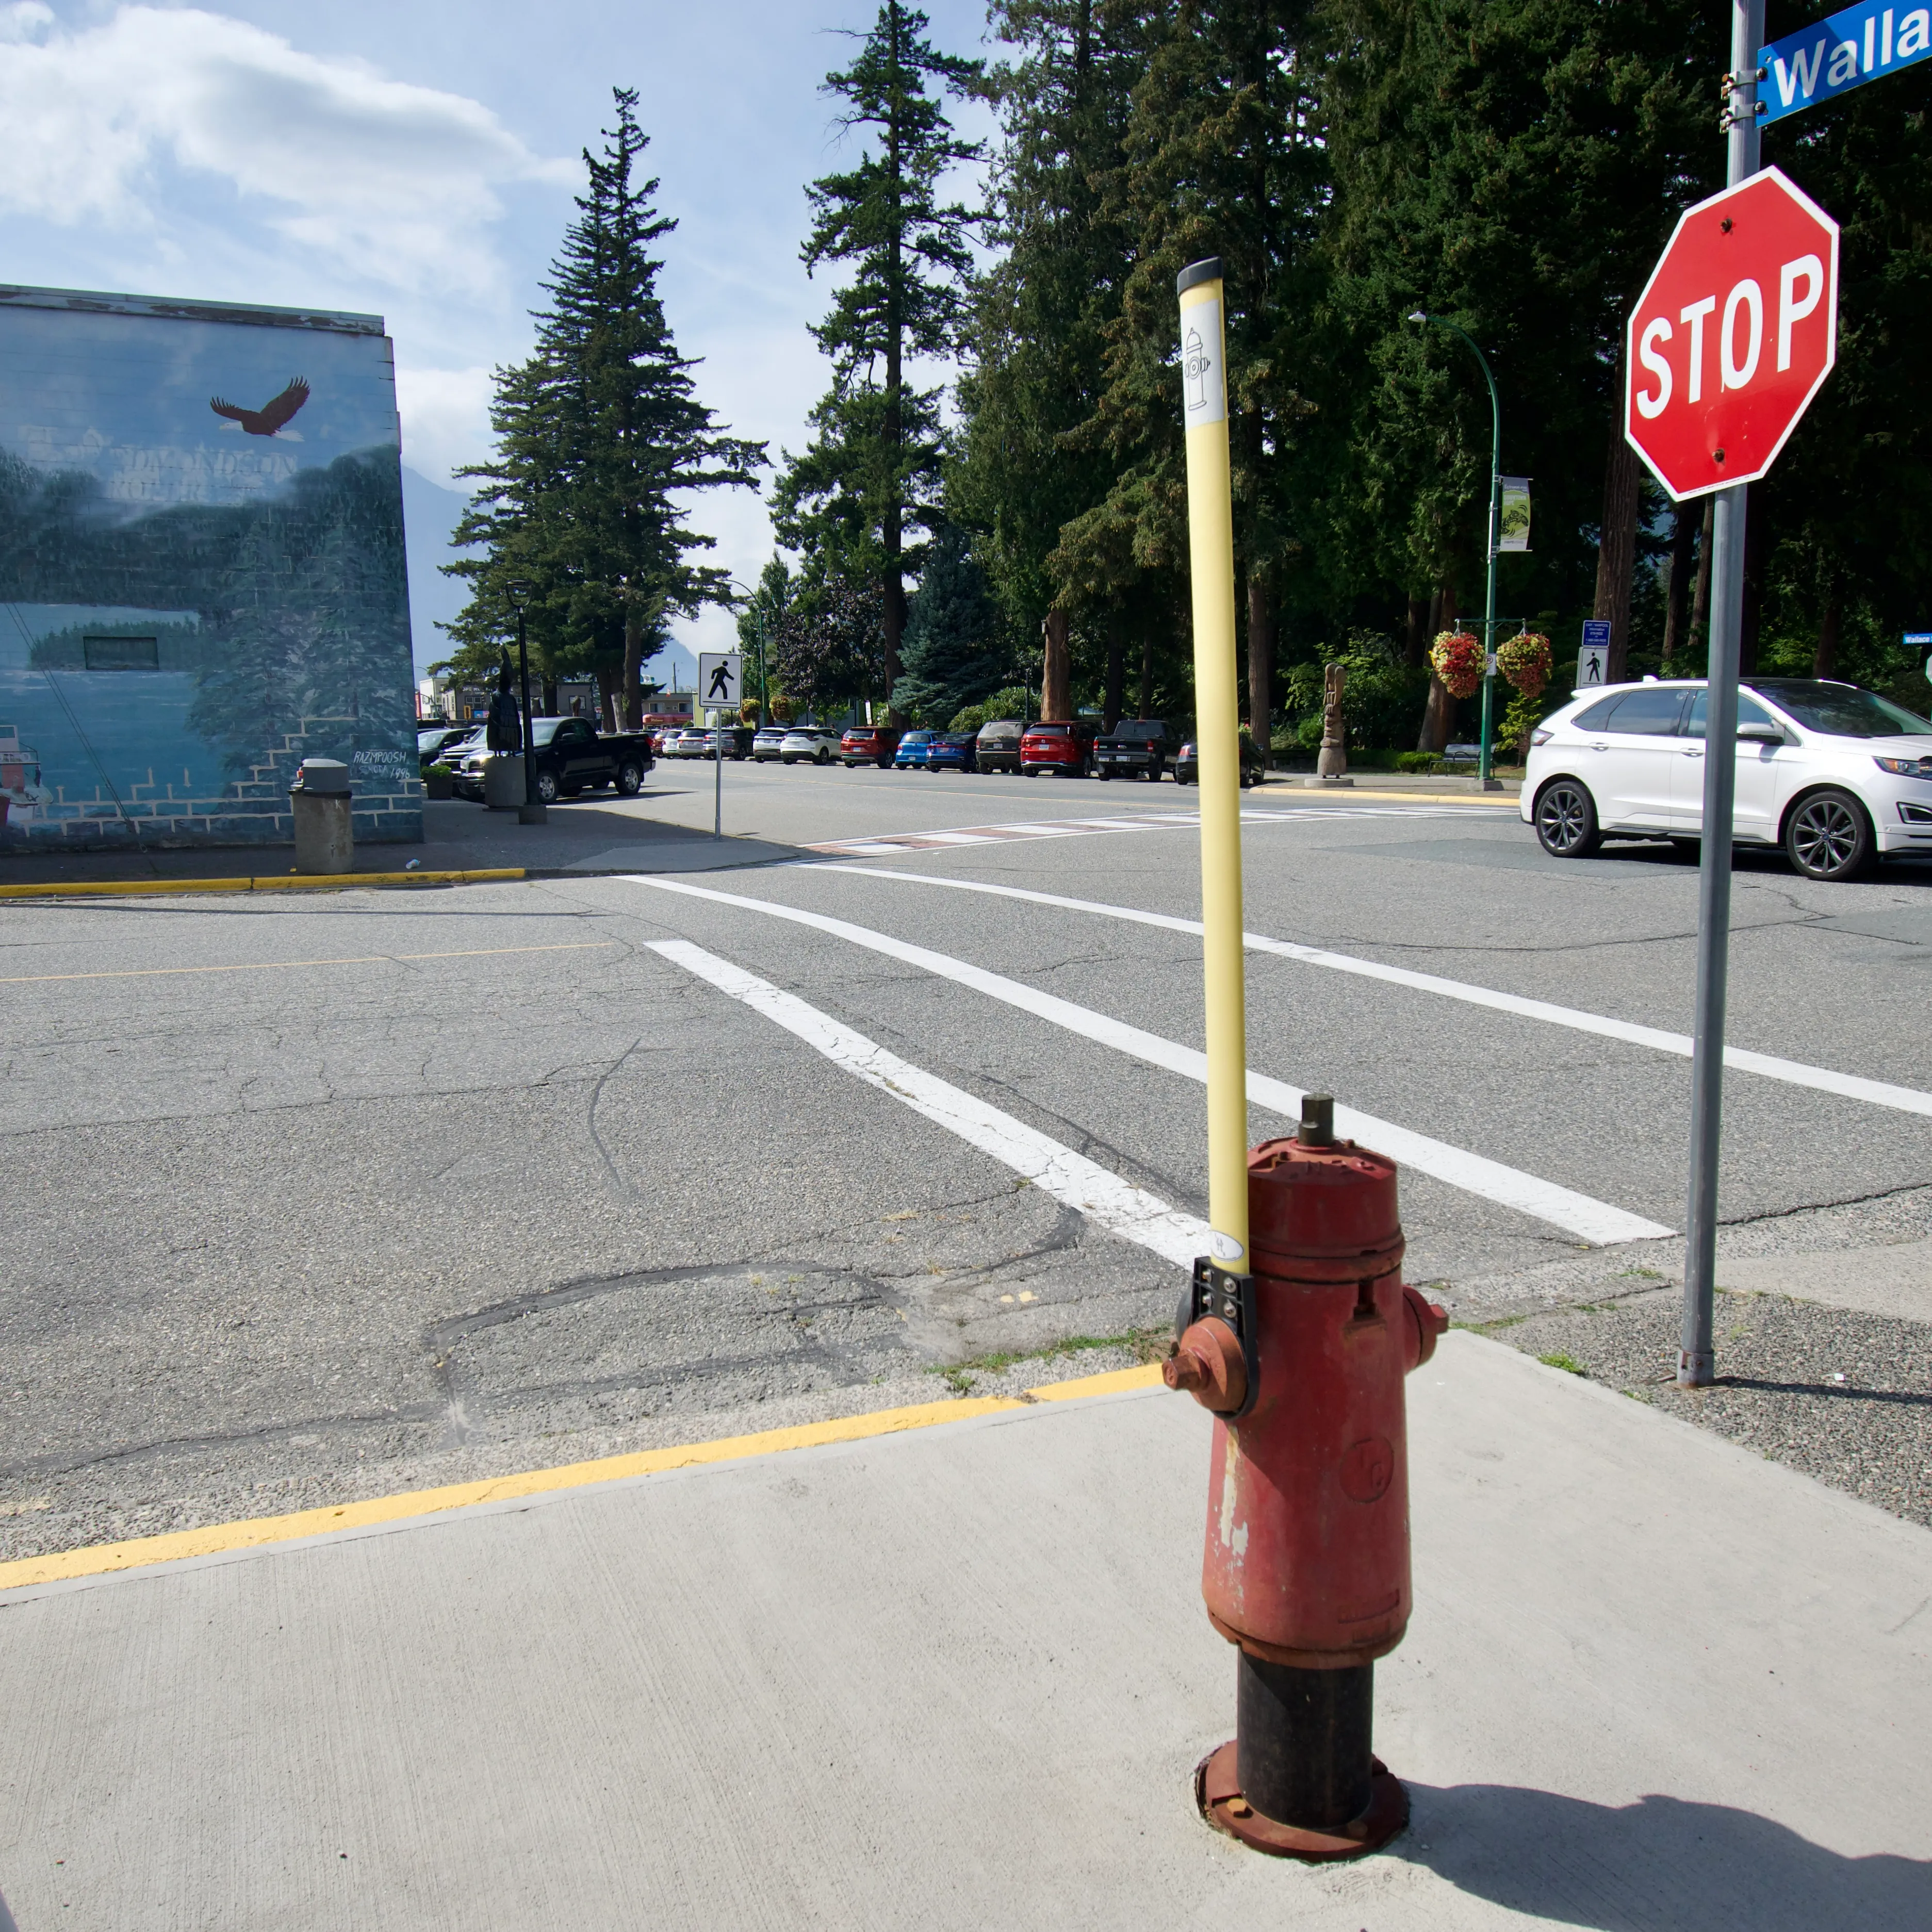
[{"x": 1217, "y": 1791}]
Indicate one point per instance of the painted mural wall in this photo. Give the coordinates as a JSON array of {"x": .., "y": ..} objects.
[{"x": 202, "y": 575}]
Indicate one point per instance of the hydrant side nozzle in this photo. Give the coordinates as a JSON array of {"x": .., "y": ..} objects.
[
  {"x": 1208, "y": 1363},
  {"x": 1428, "y": 1321}
]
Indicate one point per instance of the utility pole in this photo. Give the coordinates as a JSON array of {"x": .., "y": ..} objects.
[
  {"x": 531, "y": 811},
  {"x": 1695, "y": 1357},
  {"x": 1493, "y": 534}
]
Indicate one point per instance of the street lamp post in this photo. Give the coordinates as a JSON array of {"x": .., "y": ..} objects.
[
  {"x": 758, "y": 618},
  {"x": 531, "y": 811},
  {"x": 1492, "y": 534}
]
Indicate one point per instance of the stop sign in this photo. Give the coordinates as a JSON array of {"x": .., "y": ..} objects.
[{"x": 1734, "y": 331}]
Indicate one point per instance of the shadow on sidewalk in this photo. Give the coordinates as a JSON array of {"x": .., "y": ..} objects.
[{"x": 1661, "y": 1861}]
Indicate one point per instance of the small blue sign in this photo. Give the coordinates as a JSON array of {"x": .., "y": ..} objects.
[
  {"x": 1596, "y": 634},
  {"x": 1918, "y": 637},
  {"x": 1832, "y": 57}
]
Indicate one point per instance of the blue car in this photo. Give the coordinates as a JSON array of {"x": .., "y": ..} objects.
[
  {"x": 953, "y": 752},
  {"x": 913, "y": 748}
]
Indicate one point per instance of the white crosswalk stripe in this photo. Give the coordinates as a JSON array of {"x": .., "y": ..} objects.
[{"x": 877, "y": 845}]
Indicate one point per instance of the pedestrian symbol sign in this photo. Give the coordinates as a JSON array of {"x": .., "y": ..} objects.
[
  {"x": 721, "y": 680},
  {"x": 1593, "y": 661}
]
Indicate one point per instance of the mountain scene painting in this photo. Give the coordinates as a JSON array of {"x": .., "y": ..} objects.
[{"x": 202, "y": 573}]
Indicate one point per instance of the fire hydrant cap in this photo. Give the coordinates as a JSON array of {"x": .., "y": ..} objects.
[{"x": 1333, "y": 1204}]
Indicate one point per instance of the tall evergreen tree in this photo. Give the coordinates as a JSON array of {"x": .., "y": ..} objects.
[
  {"x": 955, "y": 650},
  {"x": 1038, "y": 338},
  {"x": 871, "y": 471},
  {"x": 1223, "y": 156},
  {"x": 1513, "y": 165},
  {"x": 602, "y": 434}
]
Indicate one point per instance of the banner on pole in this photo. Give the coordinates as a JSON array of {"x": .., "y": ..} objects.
[{"x": 1513, "y": 526}]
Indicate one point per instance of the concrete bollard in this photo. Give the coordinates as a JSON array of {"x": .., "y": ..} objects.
[
  {"x": 324, "y": 836},
  {"x": 503, "y": 780}
]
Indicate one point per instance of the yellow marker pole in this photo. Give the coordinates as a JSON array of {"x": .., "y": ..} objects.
[{"x": 1210, "y": 534}]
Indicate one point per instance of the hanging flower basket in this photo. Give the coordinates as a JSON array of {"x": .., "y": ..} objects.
[
  {"x": 1456, "y": 657},
  {"x": 1524, "y": 659}
]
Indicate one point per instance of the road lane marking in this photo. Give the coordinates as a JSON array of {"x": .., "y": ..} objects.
[
  {"x": 1102, "y": 1196},
  {"x": 1590, "y": 1220},
  {"x": 285, "y": 965},
  {"x": 885, "y": 845},
  {"x": 1794, "y": 1072}
]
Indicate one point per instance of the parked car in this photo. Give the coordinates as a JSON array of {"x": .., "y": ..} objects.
[
  {"x": 769, "y": 742},
  {"x": 997, "y": 746},
  {"x": 701, "y": 741},
  {"x": 568, "y": 756},
  {"x": 910, "y": 755},
  {"x": 434, "y": 742},
  {"x": 1836, "y": 775},
  {"x": 817, "y": 742},
  {"x": 952, "y": 751},
  {"x": 1065, "y": 747},
  {"x": 869, "y": 745},
  {"x": 1136, "y": 747},
  {"x": 1187, "y": 766}
]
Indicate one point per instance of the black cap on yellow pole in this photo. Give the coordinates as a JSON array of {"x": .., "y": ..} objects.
[{"x": 1210, "y": 532}]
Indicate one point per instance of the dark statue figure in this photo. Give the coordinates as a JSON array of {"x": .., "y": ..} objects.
[{"x": 504, "y": 731}]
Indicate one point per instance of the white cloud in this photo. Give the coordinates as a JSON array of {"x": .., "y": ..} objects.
[
  {"x": 446, "y": 415},
  {"x": 344, "y": 168}
]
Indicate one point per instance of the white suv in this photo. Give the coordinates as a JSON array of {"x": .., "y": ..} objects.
[{"x": 1835, "y": 774}]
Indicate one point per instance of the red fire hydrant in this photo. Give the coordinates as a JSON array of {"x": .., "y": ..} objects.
[{"x": 1307, "y": 1568}]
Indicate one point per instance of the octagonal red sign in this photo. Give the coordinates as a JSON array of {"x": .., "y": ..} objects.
[{"x": 1734, "y": 332}]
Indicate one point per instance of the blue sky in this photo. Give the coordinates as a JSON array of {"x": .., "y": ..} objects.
[{"x": 417, "y": 159}]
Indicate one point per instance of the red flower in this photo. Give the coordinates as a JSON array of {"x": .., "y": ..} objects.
[
  {"x": 1524, "y": 659},
  {"x": 1457, "y": 658}
]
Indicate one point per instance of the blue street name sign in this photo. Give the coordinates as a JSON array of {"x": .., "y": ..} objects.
[
  {"x": 1832, "y": 57},
  {"x": 1918, "y": 637}
]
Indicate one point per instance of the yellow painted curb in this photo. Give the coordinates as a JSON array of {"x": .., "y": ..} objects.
[
  {"x": 98, "y": 1559},
  {"x": 292, "y": 882},
  {"x": 1147, "y": 1376}
]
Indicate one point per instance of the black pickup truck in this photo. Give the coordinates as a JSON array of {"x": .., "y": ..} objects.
[
  {"x": 571, "y": 756},
  {"x": 1135, "y": 748}
]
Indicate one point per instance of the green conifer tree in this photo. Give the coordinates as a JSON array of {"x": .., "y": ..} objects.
[
  {"x": 954, "y": 650},
  {"x": 603, "y": 434},
  {"x": 871, "y": 472}
]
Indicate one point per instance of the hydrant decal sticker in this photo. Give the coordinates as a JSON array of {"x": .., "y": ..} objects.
[{"x": 1367, "y": 1469}]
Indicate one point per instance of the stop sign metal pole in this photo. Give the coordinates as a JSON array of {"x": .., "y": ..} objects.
[{"x": 1696, "y": 1365}]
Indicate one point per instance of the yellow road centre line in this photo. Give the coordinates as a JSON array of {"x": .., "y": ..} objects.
[
  {"x": 218, "y": 1539},
  {"x": 284, "y": 965}
]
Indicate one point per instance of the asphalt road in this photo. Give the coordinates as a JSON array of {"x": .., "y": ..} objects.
[{"x": 322, "y": 1196}]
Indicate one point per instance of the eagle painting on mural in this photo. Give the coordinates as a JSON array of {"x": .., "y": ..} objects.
[{"x": 269, "y": 418}]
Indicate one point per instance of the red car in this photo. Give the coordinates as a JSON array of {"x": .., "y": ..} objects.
[
  {"x": 1067, "y": 748},
  {"x": 869, "y": 745}
]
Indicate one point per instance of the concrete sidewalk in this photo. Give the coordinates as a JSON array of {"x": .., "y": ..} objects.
[
  {"x": 589, "y": 835},
  {"x": 961, "y": 1678}
]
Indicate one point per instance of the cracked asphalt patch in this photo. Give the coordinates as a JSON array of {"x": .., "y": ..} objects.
[{"x": 1844, "y": 1397}]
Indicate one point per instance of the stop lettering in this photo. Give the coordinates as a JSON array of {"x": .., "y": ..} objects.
[{"x": 1734, "y": 332}]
